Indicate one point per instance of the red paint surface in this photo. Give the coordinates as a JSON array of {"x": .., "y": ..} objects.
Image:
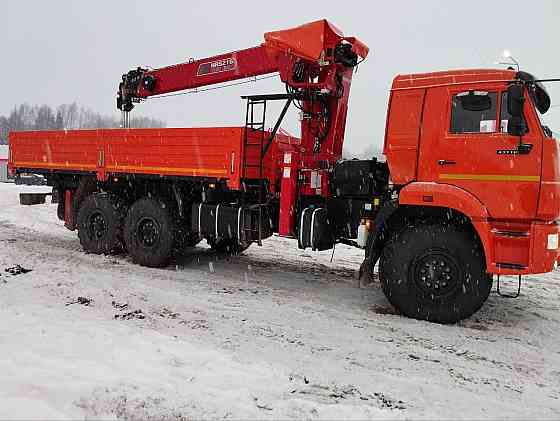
[
  {"x": 215, "y": 153},
  {"x": 519, "y": 193}
]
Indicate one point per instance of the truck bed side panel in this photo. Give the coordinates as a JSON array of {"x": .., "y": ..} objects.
[
  {"x": 202, "y": 152},
  {"x": 55, "y": 150}
]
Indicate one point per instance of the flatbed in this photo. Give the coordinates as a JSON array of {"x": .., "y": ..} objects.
[{"x": 214, "y": 153}]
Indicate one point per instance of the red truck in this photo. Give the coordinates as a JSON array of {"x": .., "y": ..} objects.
[{"x": 470, "y": 188}]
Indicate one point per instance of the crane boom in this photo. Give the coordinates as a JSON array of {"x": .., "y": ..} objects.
[
  {"x": 314, "y": 60},
  {"x": 140, "y": 83}
]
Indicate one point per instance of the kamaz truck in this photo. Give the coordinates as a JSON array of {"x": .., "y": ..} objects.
[{"x": 469, "y": 191}]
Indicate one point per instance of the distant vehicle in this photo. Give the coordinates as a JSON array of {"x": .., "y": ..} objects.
[{"x": 30, "y": 179}]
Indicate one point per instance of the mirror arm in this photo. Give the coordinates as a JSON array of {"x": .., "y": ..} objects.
[{"x": 523, "y": 148}]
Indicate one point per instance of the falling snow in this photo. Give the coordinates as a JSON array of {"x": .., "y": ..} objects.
[{"x": 275, "y": 333}]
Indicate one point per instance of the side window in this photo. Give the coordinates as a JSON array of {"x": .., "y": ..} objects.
[
  {"x": 504, "y": 115},
  {"x": 473, "y": 112}
]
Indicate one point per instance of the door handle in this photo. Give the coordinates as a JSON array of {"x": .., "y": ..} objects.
[{"x": 446, "y": 162}]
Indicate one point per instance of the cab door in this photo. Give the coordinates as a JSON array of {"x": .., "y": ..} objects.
[{"x": 473, "y": 151}]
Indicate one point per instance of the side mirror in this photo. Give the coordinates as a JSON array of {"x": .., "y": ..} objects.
[
  {"x": 516, "y": 126},
  {"x": 516, "y": 100},
  {"x": 475, "y": 101}
]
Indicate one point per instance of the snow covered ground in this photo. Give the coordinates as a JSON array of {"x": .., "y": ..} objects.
[{"x": 275, "y": 333}]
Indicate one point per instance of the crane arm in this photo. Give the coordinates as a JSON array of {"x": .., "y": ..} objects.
[
  {"x": 311, "y": 44},
  {"x": 141, "y": 83},
  {"x": 314, "y": 60}
]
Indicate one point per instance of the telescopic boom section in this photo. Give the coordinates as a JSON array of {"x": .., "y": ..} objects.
[
  {"x": 314, "y": 60},
  {"x": 139, "y": 84}
]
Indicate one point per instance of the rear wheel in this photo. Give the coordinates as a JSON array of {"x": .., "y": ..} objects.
[
  {"x": 435, "y": 272},
  {"x": 149, "y": 232},
  {"x": 100, "y": 220}
]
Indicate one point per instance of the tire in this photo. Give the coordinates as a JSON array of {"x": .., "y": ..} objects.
[
  {"x": 100, "y": 221},
  {"x": 435, "y": 272},
  {"x": 229, "y": 246},
  {"x": 149, "y": 232}
]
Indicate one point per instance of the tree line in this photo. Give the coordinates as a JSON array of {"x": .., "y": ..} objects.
[
  {"x": 72, "y": 116},
  {"x": 65, "y": 116}
]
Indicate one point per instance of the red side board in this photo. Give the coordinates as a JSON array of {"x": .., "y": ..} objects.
[{"x": 215, "y": 153}]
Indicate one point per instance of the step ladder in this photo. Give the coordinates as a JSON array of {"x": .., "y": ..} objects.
[{"x": 255, "y": 122}]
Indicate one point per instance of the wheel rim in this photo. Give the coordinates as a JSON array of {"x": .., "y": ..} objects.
[
  {"x": 436, "y": 273},
  {"x": 148, "y": 232},
  {"x": 97, "y": 226}
]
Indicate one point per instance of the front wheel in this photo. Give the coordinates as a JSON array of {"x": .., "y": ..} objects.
[{"x": 435, "y": 272}]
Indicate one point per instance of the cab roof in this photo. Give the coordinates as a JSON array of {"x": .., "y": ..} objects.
[{"x": 451, "y": 77}]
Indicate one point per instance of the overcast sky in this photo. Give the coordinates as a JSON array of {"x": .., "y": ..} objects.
[{"x": 63, "y": 51}]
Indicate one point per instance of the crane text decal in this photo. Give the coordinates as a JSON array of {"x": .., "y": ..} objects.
[{"x": 217, "y": 66}]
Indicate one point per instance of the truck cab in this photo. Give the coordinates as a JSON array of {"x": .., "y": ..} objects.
[{"x": 456, "y": 153}]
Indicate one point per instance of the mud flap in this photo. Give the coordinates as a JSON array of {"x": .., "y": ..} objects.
[
  {"x": 373, "y": 253},
  {"x": 69, "y": 219}
]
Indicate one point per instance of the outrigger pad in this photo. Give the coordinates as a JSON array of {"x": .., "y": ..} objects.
[{"x": 32, "y": 198}]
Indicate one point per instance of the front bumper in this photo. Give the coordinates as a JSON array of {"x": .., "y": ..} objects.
[
  {"x": 544, "y": 249},
  {"x": 521, "y": 250}
]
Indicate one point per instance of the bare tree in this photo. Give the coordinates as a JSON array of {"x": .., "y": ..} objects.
[
  {"x": 4, "y": 129},
  {"x": 44, "y": 118},
  {"x": 65, "y": 116}
]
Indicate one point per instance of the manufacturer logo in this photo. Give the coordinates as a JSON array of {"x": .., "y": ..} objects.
[{"x": 216, "y": 66}]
